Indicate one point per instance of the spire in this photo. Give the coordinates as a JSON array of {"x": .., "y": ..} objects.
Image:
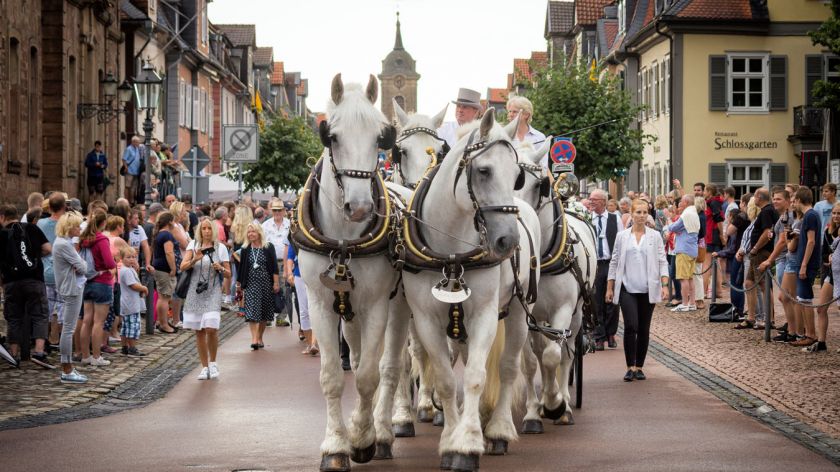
[{"x": 398, "y": 45}]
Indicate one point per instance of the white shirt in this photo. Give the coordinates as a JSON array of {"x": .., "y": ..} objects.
[
  {"x": 278, "y": 236},
  {"x": 635, "y": 281},
  {"x": 447, "y": 132},
  {"x": 221, "y": 251},
  {"x": 600, "y": 224},
  {"x": 136, "y": 237},
  {"x": 535, "y": 139}
]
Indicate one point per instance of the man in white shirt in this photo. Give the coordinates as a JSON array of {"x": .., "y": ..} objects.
[
  {"x": 606, "y": 228},
  {"x": 276, "y": 231},
  {"x": 467, "y": 109}
]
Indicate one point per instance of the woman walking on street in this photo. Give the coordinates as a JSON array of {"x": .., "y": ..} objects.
[
  {"x": 242, "y": 217},
  {"x": 259, "y": 281},
  {"x": 209, "y": 262},
  {"x": 638, "y": 280},
  {"x": 70, "y": 279},
  {"x": 292, "y": 276},
  {"x": 99, "y": 291},
  {"x": 165, "y": 252}
]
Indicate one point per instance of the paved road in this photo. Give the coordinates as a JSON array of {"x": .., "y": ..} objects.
[{"x": 265, "y": 413}]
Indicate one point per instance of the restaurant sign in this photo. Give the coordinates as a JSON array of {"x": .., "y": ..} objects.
[{"x": 730, "y": 140}]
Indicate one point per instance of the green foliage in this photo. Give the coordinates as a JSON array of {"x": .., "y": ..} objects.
[
  {"x": 827, "y": 94},
  {"x": 566, "y": 99},
  {"x": 285, "y": 144}
]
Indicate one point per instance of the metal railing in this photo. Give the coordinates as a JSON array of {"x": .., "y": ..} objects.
[{"x": 807, "y": 121}]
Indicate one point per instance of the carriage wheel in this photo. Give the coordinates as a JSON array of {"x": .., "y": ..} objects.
[{"x": 578, "y": 369}]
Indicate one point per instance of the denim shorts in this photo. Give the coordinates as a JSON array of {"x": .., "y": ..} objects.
[
  {"x": 805, "y": 288},
  {"x": 792, "y": 265},
  {"x": 98, "y": 293},
  {"x": 781, "y": 262}
]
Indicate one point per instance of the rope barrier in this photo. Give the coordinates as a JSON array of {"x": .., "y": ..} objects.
[{"x": 800, "y": 303}]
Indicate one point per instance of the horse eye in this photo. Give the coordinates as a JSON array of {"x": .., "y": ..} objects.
[{"x": 484, "y": 171}]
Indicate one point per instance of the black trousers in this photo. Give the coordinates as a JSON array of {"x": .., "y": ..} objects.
[
  {"x": 606, "y": 313},
  {"x": 637, "y": 311},
  {"x": 26, "y": 313}
]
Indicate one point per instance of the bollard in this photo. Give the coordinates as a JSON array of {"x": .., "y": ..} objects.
[
  {"x": 149, "y": 281},
  {"x": 768, "y": 300},
  {"x": 714, "y": 280}
]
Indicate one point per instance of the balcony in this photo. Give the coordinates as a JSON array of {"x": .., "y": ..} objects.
[{"x": 807, "y": 121}]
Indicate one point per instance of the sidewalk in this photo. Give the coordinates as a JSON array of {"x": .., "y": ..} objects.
[
  {"x": 33, "y": 396},
  {"x": 804, "y": 385}
]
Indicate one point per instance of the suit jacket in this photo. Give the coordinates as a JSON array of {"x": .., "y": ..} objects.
[
  {"x": 243, "y": 270},
  {"x": 657, "y": 264},
  {"x": 612, "y": 229}
]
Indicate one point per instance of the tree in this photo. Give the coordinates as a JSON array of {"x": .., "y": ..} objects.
[
  {"x": 825, "y": 93},
  {"x": 567, "y": 99},
  {"x": 285, "y": 145}
]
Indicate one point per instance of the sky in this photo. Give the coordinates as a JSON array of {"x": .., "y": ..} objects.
[{"x": 455, "y": 43}]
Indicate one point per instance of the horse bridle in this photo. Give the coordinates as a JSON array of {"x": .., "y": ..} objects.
[
  {"x": 539, "y": 173},
  {"x": 467, "y": 159},
  {"x": 397, "y": 152},
  {"x": 384, "y": 141}
]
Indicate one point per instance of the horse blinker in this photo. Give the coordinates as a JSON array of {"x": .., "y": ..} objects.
[
  {"x": 545, "y": 187},
  {"x": 388, "y": 137},
  {"x": 324, "y": 131},
  {"x": 520, "y": 180}
]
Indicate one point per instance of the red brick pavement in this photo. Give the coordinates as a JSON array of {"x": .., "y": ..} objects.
[{"x": 804, "y": 385}]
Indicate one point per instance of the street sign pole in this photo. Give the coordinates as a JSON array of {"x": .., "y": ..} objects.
[
  {"x": 194, "y": 173},
  {"x": 239, "y": 187}
]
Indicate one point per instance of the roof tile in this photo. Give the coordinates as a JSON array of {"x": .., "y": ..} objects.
[
  {"x": 497, "y": 95},
  {"x": 589, "y": 11},
  {"x": 240, "y": 35},
  {"x": 277, "y": 74},
  {"x": 561, "y": 17},
  {"x": 718, "y": 9},
  {"x": 263, "y": 57}
]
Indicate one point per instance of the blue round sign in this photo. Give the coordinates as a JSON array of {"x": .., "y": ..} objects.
[{"x": 563, "y": 152}]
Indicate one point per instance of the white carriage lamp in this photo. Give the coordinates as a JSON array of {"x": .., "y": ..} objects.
[
  {"x": 567, "y": 185},
  {"x": 147, "y": 89}
]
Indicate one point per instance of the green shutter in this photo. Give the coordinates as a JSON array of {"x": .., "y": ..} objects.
[
  {"x": 813, "y": 73},
  {"x": 778, "y": 174},
  {"x": 718, "y": 100},
  {"x": 717, "y": 174},
  {"x": 778, "y": 83}
]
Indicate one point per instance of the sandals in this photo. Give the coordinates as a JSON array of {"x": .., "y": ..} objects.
[
  {"x": 746, "y": 324},
  {"x": 313, "y": 351}
]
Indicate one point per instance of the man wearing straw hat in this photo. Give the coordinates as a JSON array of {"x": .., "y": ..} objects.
[{"x": 467, "y": 109}]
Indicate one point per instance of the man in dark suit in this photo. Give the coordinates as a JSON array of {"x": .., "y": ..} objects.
[{"x": 606, "y": 227}]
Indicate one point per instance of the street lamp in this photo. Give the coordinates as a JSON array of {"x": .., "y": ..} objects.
[
  {"x": 146, "y": 92},
  {"x": 105, "y": 112}
]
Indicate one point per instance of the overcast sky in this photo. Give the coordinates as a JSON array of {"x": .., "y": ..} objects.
[{"x": 456, "y": 43}]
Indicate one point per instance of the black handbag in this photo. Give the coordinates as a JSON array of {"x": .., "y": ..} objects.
[
  {"x": 722, "y": 313},
  {"x": 182, "y": 287}
]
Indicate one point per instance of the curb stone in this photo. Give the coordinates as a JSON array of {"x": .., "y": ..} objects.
[{"x": 139, "y": 390}]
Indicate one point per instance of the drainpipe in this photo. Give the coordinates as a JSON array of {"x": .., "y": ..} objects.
[{"x": 670, "y": 100}]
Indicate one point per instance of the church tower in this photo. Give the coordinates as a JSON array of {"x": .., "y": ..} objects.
[{"x": 398, "y": 78}]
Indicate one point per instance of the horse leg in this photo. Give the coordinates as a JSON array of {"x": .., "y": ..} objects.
[
  {"x": 366, "y": 334},
  {"x": 557, "y": 364},
  {"x": 335, "y": 449},
  {"x": 532, "y": 424},
  {"x": 420, "y": 366},
  {"x": 500, "y": 431},
  {"x": 565, "y": 369},
  {"x": 403, "y": 417},
  {"x": 390, "y": 367}
]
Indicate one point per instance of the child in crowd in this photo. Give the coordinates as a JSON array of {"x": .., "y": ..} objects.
[{"x": 131, "y": 302}]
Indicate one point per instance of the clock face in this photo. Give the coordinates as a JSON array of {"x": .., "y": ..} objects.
[{"x": 399, "y": 81}]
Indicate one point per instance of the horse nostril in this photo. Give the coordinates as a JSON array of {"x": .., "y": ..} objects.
[
  {"x": 503, "y": 244},
  {"x": 347, "y": 208}
]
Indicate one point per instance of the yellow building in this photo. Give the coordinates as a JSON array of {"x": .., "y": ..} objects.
[{"x": 727, "y": 88}]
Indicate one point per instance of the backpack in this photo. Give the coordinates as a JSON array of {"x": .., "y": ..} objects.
[
  {"x": 23, "y": 261},
  {"x": 87, "y": 255}
]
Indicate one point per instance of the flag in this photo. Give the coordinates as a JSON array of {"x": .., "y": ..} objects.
[
  {"x": 593, "y": 76},
  {"x": 258, "y": 102}
]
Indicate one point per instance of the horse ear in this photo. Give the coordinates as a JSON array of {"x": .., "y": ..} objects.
[
  {"x": 402, "y": 117},
  {"x": 487, "y": 122},
  {"x": 337, "y": 89},
  {"x": 372, "y": 90},
  {"x": 437, "y": 120},
  {"x": 543, "y": 149},
  {"x": 510, "y": 128}
]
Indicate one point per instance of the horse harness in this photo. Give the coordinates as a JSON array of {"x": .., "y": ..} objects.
[
  {"x": 397, "y": 152},
  {"x": 384, "y": 141}
]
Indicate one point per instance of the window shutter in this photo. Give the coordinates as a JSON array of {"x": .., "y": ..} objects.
[
  {"x": 717, "y": 83},
  {"x": 188, "y": 105},
  {"x": 196, "y": 117},
  {"x": 181, "y": 110},
  {"x": 778, "y": 174},
  {"x": 717, "y": 174},
  {"x": 813, "y": 73},
  {"x": 640, "y": 100},
  {"x": 778, "y": 83}
]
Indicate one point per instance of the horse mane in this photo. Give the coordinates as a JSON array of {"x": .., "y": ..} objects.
[{"x": 355, "y": 110}]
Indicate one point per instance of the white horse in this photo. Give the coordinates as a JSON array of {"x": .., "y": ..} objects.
[
  {"x": 342, "y": 212},
  {"x": 559, "y": 304},
  {"x": 417, "y": 149},
  {"x": 468, "y": 206}
]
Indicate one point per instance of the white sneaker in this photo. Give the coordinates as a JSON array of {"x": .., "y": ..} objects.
[
  {"x": 682, "y": 308},
  {"x": 98, "y": 361},
  {"x": 692, "y": 307},
  {"x": 214, "y": 371},
  {"x": 204, "y": 374},
  {"x": 112, "y": 339}
]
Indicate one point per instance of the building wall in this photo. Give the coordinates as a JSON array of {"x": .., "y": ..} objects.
[
  {"x": 703, "y": 128},
  {"x": 801, "y": 10},
  {"x": 655, "y": 166},
  {"x": 390, "y": 90}
]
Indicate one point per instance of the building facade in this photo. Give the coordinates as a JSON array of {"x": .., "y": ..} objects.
[{"x": 398, "y": 79}]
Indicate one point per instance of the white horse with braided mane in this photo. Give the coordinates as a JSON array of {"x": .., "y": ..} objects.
[
  {"x": 343, "y": 210},
  {"x": 559, "y": 304},
  {"x": 468, "y": 206}
]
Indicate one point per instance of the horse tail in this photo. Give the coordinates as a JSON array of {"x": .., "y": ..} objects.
[{"x": 492, "y": 384}]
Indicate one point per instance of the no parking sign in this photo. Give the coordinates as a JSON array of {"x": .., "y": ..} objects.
[{"x": 563, "y": 154}]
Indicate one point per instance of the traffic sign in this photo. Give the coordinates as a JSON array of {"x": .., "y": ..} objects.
[
  {"x": 559, "y": 168},
  {"x": 199, "y": 156},
  {"x": 563, "y": 151},
  {"x": 241, "y": 143}
]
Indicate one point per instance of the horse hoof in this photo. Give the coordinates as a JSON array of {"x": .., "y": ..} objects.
[
  {"x": 404, "y": 430},
  {"x": 383, "y": 451},
  {"x": 438, "y": 421},
  {"x": 532, "y": 427},
  {"x": 498, "y": 447},
  {"x": 465, "y": 462},
  {"x": 566, "y": 420},
  {"x": 446, "y": 460},
  {"x": 425, "y": 415},
  {"x": 556, "y": 413},
  {"x": 362, "y": 456},
  {"x": 335, "y": 463}
]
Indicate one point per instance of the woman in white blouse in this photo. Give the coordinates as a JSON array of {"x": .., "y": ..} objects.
[{"x": 638, "y": 279}]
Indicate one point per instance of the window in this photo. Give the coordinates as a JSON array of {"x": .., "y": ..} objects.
[
  {"x": 205, "y": 36},
  {"x": 400, "y": 101},
  {"x": 196, "y": 108},
  {"x": 202, "y": 109},
  {"x": 14, "y": 100},
  {"x": 747, "y": 177},
  {"x": 748, "y": 76},
  {"x": 182, "y": 101},
  {"x": 188, "y": 105},
  {"x": 832, "y": 69},
  {"x": 33, "y": 106},
  {"x": 622, "y": 5},
  {"x": 666, "y": 101},
  {"x": 210, "y": 123},
  {"x": 654, "y": 103}
]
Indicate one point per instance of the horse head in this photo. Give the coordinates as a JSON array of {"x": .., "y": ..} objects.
[
  {"x": 536, "y": 186},
  {"x": 418, "y": 146},
  {"x": 353, "y": 134}
]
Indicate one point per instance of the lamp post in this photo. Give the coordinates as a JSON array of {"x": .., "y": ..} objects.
[{"x": 146, "y": 91}]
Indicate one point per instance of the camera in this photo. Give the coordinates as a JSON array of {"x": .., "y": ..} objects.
[
  {"x": 208, "y": 251},
  {"x": 201, "y": 287}
]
